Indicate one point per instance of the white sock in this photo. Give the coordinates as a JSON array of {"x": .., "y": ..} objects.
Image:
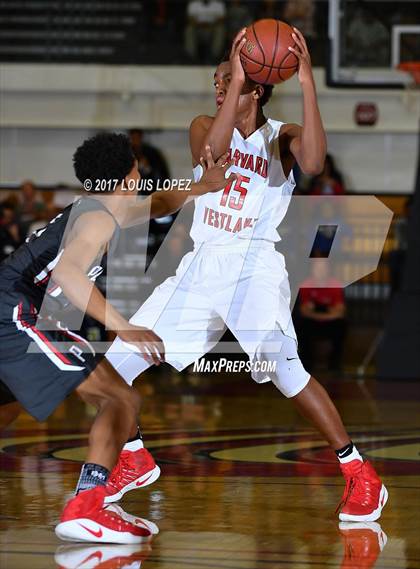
[
  {"x": 354, "y": 455},
  {"x": 134, "y": 445}
]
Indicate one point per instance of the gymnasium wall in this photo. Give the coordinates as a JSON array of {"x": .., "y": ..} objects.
[{"x": 47, "y": 110}]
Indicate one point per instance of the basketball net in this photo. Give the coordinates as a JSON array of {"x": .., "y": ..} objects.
[{"x": 411, "y": 98}]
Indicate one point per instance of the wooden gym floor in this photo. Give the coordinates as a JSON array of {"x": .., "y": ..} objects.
[{"x": 245, "y": 482}]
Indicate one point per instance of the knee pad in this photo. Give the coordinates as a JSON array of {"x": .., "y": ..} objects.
[{"x": 282, "y": 365}]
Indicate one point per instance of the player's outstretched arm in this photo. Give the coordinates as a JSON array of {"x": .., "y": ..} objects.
[
  {"x": 86, "y": 243},
  {"x": 308, "y": 143},
  {"x": 217, "y": 132},
  {"x": 165, "y": 203},
  {"x": 212, "y": 180}
]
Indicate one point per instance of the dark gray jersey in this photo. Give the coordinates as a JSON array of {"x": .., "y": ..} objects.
[{"x": 28, "y": 270}]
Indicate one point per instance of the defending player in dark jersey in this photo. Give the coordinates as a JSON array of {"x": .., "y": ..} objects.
[{"x": 60, "y": 262}]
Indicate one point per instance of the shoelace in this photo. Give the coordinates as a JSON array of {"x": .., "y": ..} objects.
[
  {"x": 346, "y": 494},
  {"x": 356, "y": 487},
  {"x": 119, "y": 471},
  {"x": 362, "y": 491},
  {"x": 117, "y": 520}
]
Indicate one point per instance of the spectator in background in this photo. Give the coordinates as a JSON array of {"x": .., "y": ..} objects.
[
  {"x": 322, "y": 315},
  {"x": 161, "y": 12},
  {"x": 238, "y": 16},
  {"x": 329, "y": 182},
  {"x": 31, "y": 206},
  {"x": 205, "y": 31},
  {"x": 63, "y": 196},
  {"x": 368, "y": 40},
  {"x": 166, "y": 17},
  {"x": 152, "y": 164},
  {"x": 10, "y": 232},
  {"x": 300, "y": 13}
]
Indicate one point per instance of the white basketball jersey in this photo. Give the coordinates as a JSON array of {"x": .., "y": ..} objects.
[{"x": 253, "y": 206}]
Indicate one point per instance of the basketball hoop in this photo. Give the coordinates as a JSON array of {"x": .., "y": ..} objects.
[
  {"x": 412, "y": 67},
  {"x": 412, "y": 97}
]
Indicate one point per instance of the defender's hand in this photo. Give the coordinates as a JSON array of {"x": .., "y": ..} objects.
[
  {"x": 237, "y": 70},
  {"x": 146, "y": 341},
  {"x": 214, "y": 176},
  {"x": 301, "y": 51}
]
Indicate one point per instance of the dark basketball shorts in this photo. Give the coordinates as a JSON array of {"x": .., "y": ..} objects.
[{"x": 39, "y": 367}]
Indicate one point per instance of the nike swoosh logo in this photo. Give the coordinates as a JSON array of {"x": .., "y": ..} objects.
[
  {"x": 143, "y": 481},
  {"x": 290, "y": 359},
  {"x": 94, "y": 533},
  {"x": 97, "y": 555}
]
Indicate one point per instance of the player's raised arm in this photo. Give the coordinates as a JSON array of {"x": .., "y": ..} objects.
[
  {"x": 308, "y": 143},
  {"x": 217, "y": 132},
  {"x": 165, "y": 203},
  {"x": 87, "y": 242}
]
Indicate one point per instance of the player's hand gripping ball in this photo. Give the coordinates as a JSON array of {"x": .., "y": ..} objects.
[{"x": 265, "y": 56}]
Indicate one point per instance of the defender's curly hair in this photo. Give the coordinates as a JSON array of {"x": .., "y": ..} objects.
[{"x": 105, "y": 156}]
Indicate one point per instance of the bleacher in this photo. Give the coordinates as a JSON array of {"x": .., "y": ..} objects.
[{"x": 113, "y": 32}]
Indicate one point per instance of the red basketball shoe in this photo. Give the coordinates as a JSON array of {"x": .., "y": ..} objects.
[
  {"x": 363, "y": 543},
  {"x": 364, "y": 495},
  {"x": 134, "y": 469},
  {"x": 85, "y": 519}
]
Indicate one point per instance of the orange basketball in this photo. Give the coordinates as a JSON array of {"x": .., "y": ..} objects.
[{"x": 265, "y": 55}]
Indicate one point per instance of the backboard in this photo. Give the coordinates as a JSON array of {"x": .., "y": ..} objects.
[{"x": 368, "y": 39}]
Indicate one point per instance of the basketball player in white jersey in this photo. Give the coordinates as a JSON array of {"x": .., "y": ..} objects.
[{"x": 234, "y": 277}]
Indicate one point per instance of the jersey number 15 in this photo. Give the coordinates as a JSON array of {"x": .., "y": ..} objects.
[{"x": 236, "y": 201}]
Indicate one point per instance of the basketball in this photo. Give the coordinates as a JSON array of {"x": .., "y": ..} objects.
[{"x": 265, "y": 55}]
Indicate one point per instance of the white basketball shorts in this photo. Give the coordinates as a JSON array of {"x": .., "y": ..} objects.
[{"x": 244, "y": 287}]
